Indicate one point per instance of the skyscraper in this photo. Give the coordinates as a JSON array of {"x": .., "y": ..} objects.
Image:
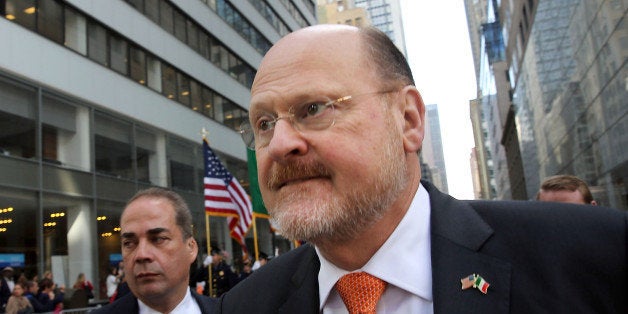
[{"x": 432, "y": 152}]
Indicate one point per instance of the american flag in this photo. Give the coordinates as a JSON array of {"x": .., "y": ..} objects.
[{"x": 224, "y": 196}]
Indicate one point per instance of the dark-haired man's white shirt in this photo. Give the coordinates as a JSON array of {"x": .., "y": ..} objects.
[
  {"x": 404, "y": 261},
  {"x": 187, "y": 306}
]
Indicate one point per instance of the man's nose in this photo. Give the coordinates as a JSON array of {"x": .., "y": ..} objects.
[
  {"x": 143, "y": 253},
  {"x": 286, "y": 140}
]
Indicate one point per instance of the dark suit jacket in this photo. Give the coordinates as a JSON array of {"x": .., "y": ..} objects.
[
  {"x": 128, "y": 304},
  {"x": 5, "y": 292},
  {"x": 538, "y": 257}
]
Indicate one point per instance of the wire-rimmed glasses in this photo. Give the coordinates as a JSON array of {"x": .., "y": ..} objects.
[{"x": 311, "y": 116}]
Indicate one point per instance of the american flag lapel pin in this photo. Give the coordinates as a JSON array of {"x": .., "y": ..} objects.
[{"x": 475, "y": 281}]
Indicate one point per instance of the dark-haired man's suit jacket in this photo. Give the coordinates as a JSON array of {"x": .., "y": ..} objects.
[
  {"x": 128, "y": 304},
  {"x": 538, "y": 258}
]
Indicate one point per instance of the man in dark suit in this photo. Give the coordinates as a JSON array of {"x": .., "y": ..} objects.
[
  {"x": 337, "y": 124},
  {"x": 6, "y": 286},
  {"x": 157, "y": 251}
]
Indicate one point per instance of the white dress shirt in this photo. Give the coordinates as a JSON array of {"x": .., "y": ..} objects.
[
  {"x": 187, "y": 306},
  {"x": 404, "y": 261}
]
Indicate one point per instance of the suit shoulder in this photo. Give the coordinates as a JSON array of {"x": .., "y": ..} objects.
[
  {"x": 267, "y": 288},
  {"x": 549, "y": 211},
  {"x": 126, "y": 304},
  {"x": 207, "y": 304}
]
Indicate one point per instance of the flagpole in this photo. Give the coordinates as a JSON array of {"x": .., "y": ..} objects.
[
  {"x": 210, "y": 287},
  {"x": 255, "y": 237}
]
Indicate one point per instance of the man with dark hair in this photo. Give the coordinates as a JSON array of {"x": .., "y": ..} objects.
[
  {"x": 337, "y": 123},
  {"x": 157, "y": 251},
  {"x": 566, "y": 189}
]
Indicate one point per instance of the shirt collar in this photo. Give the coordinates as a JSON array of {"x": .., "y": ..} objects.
[
  {"x": 187, "y": 305},
  {"x": 404, "y": 260}
]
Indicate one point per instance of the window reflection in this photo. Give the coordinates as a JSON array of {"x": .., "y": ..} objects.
[
  {"x": 50, "y": 20},
  {"x": 112, "y": 147},
  {"x": 18, "y": 233},
  {"x": 108, "y": 237},
  {"x": 17, "y": 134},
  {"x": 97, "y": 43},
  {"x": 21, "y": 12}
]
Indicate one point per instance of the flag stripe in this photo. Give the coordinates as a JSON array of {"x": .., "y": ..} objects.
[{"x": 224, "y": 196}]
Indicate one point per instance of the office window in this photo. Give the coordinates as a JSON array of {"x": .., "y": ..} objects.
[
  {"x": 18, "y": 238},
  {"x": 203, "y": 45},
  {"x": 21, "y": 12},
  {"x": 192, "y": 35},
  {"x": 57, "y": 224},
  {"x": 232, "y": 115},
  {"x": 181, "y": 155},
  {"x": 179, "y": 26},
  {"x": 113, "y": 150},
  {"x": 75, "y": 31},
  {"x": 153, "y": 69},
  {"x": 151, "y": 9},
  {"x": 97, "y": 43},
  {"x": 50, "y": 20},
  {"x": 224, "y": 59},
  {"x": 168, "y": 81},
  {"x": 138, "y": 65},
  {"x": 119, "y": 54},
  {"x": 108, "y": 239},
  {"x": 235, "y": 67},
  {"x": 167, "y": 17},
  {"x": 137, "y": 4},
  {"x": 146, "y": 152},
  {"x": 64, "y": 132},
  {"x": 215, "y": 47},
  {"x": 17, "y": 117},
  {"x": 218, "y": 107},
  {"x": 195, "y": 96},
  {"x": 207, "y": 99},
  {"x": 183, "y": 82}
]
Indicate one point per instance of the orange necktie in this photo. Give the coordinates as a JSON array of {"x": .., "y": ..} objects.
[{"x": 360, "y": 292}]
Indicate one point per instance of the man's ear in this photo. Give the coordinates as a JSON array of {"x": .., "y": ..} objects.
[
  {"x": 192, "y": 248},
  {"x": 414, "y": 119}
]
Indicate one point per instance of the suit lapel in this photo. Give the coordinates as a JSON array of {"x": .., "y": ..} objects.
[
  {"x": 304, "y": 297},
  {"x": 458, "y": 234}
]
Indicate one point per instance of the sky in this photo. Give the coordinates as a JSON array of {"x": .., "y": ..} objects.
[{"x": 439, "y": 53}]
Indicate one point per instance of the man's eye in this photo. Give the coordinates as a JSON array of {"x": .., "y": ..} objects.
[
  {"x": 159, "y": 240},
  {"x": 264, "y": 124},
  {"x": 128, "y": 244},
  {"x": 314, "y": 109}
]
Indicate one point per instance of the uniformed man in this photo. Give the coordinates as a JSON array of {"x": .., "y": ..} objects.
[{"x": 223, "y": 278}]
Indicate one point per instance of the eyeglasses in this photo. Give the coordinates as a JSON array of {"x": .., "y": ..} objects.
[{"x": 315, "y": 116}]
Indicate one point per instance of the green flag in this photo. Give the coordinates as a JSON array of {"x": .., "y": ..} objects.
[{"x": 259, "y": 209}]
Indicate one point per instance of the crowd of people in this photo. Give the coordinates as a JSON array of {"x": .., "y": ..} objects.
[{"x": 34, "y": 296}]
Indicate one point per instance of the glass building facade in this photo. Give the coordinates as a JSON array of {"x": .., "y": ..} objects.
[
  {"x": 571, "y": 96},
  {"x": 563, "y": 83},
  {"x": 99, "y": 99}
]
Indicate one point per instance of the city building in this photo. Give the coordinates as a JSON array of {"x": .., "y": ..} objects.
[
  {"x": 342, "y": 12},
  {"x": 432, "y": 153},
  {"x": 482, "y": 161},
  {"x": 99, "y": 99},
  {"x": 385, "y": 15},
  {"x": 558, "y": 74}
]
